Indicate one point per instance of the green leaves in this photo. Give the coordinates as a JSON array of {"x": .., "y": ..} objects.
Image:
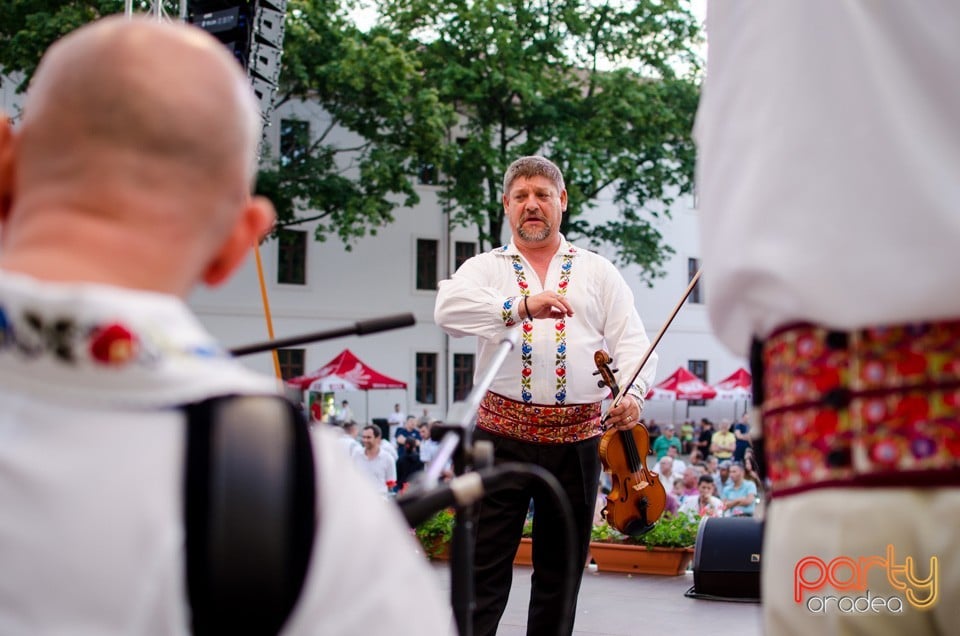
[
  {"x": 671, "y": 531},
  {"x": 606, "y": 90},
  {"x": 28, "y": 27},
  {"x": 595, "y": 87},
  {"x": 372, "y": 87}
]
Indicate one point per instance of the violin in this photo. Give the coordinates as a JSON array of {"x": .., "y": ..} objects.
[{"x": 637, "y": 497}]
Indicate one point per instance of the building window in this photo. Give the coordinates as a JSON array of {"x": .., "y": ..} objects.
[
  {"x": 427, "y": 251},
  {"x": 463, "y": 251},
  {"x": 292, "y": 257},
  {"x": 427, "y": 174},
  {"x": 291, "y": 363},
  {"x": 462, "y": 375},
  {"x": 699, "y": 369},
  {"x": 294, "y": 141},
  {"x": 426, "y": 390},
  {"x": 693, "y": 266}
]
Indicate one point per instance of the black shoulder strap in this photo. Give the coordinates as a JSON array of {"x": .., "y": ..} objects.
[{"x": 250, "y": 512}]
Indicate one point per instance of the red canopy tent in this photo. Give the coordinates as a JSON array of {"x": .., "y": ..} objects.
[
  {"x": 682, "y": 385},
  {"x": 736, "y": 386},
  {"x": 346, "y": 372}
]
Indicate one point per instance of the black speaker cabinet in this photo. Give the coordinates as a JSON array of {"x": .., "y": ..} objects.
[{"x": 726, "y": 560}]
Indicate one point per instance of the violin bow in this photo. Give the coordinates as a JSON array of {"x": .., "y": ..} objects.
[{"x": 653, "y": 345}]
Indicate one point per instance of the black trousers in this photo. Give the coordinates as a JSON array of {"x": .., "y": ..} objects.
[{"x": 500, "y": 524}]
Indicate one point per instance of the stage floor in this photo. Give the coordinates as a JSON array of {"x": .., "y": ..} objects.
[{"x": 629, "y": 605}]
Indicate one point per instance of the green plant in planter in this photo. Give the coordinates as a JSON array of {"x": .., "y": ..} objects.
[
  {"x": 605, "y": 533},
  {"x": 671, "y": 531},
  {"x": 527, "y": 529},
  {"x": 435, "y": 533}
]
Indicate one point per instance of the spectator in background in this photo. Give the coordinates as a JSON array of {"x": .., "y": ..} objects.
[
  {"x": 678, "y": 464},
  {"x": 739, "y": 495},
  {"x": 723, "y": 442},
  {"x": 705, "y": 437},
  {"x": 688, "y": 484},
  {"x": 713, "y": 468},
  {"x": 741, "y": 431},
  {"x": 408, "y": 463},
  {"x": 705, "y": 503},
  {"x": 409, "y": 431},
  {"x": 664, "y": 468},
  {"x": 686, "y": 437},
  {"x": 344, "y": 413},
  {"x": 347, "y": 438},
  {"x": 395, "y": 420},
  {"x": 378, "y": 465},
  {"x": 665, "y": 441},
  {"x": 723, "y": 475}
]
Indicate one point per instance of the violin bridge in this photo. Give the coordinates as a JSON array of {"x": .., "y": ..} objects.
[{"x": 640, "y": 485}]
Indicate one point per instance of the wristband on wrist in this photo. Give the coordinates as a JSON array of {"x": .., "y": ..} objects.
[{"x": 526, "y": 308}]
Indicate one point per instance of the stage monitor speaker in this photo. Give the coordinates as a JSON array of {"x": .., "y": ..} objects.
[{"x": 726, "y": 560}]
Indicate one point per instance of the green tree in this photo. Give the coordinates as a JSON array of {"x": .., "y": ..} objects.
[
  {"x": 28, "y": 27},
  {"x": 370, "y": 87},
  {"x": 592, "y": 85},
  {"x": 373, "y": 89}
]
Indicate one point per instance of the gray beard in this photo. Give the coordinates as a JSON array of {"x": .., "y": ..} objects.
[{"x": 534, "y": 237}]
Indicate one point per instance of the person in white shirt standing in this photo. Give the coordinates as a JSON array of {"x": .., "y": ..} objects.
[
  {"x": 829, "y": 155},
  {"x": 544, "y": 404},
  {"x": 375, "y": 462}
]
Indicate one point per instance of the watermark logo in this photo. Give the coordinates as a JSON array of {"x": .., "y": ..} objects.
[{"x": 813, "y": 578}]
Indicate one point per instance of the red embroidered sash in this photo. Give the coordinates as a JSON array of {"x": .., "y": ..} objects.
[{"x": 536, "y": 423}]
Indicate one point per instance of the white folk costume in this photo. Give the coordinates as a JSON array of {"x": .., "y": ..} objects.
[
  {"x": 92, "y": 473},
  {"x": 543, "y": 406},
  {"x": 828, "y": 158}
]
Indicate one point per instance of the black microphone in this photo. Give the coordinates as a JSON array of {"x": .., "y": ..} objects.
[{"x": 361, "y": 328}]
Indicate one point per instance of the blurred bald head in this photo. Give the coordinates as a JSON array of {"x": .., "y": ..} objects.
[
  {"x": 137, "y": 88},
  {"x": 134, "y": 133}
]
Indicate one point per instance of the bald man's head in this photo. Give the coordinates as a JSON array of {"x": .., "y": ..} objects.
[
  {"x": 123, "y": 97},
  {"x": 133, "y": 163}
]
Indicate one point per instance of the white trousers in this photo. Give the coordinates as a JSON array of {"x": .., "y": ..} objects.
[{"x": 874, "y": 562}]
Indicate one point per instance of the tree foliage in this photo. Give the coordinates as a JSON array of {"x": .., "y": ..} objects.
[
  {"x": 373, "y": 89},
  {"x": 467, "y": 85},
  {"x": 592, "y": 85},
  {"x": 28, "y": 27}
]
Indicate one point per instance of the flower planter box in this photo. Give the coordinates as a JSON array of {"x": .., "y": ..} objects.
[
  {"x": 638, "y": 559},
  {"x": 438, "y": 550},
  {"x": 524, "y": 554}
]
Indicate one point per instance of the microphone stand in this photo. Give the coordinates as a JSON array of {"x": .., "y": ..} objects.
[
  {"x": 457, "y": 440},
  {"x": 475, "y": 477},
  {"x": 360, "y": 328}
]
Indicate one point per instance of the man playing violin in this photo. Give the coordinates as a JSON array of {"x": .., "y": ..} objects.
[{"x": 544, "y": 406}]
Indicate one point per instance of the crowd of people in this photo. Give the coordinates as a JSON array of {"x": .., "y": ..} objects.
[
  {"x": 707, "y": 471},
  {"x": 390, "y": 456}
]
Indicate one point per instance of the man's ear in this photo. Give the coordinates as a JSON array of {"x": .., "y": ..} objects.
[
  {"x": 253, "y": 223},
  {"x": 7, "y": 163}
]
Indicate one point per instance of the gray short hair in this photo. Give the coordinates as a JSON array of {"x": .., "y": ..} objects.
[{"x": 533, "y": 166}]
